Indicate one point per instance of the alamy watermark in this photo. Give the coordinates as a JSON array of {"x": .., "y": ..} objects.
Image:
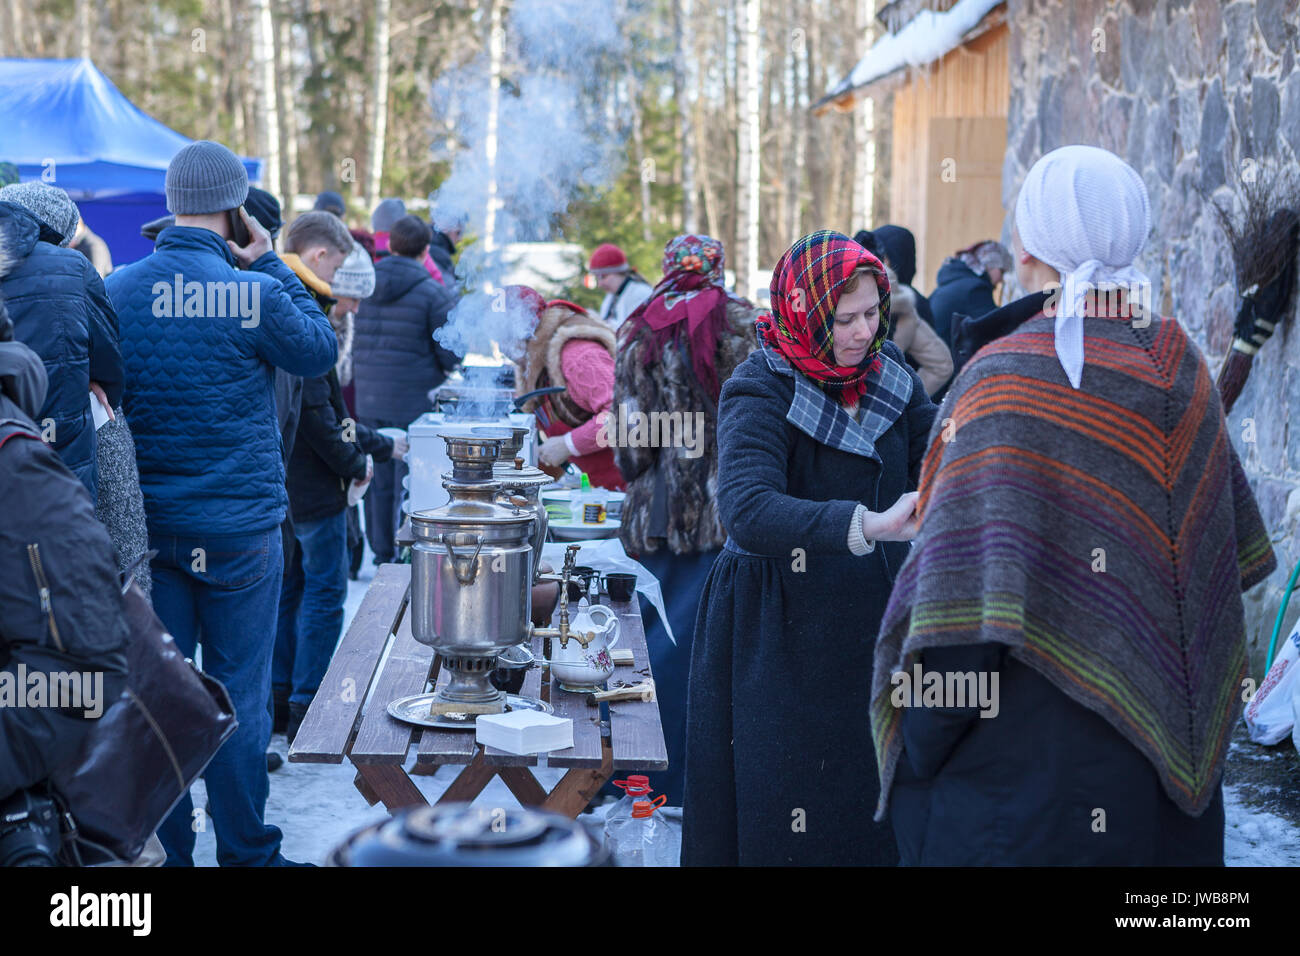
[
  {"x": 630, "y": 428},
  {"x": 61, "y": 690},
  {"x": 234, "y": 299},
  {"x": 922, "y": 688}
]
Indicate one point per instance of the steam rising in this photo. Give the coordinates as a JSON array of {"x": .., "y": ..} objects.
[{"x": 554, "y": 139}]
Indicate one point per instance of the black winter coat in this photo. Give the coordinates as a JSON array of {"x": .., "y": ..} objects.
[
  {"x": 395, "y": 360},
  {"x": 971, "y": 334},
  {"x": 779, "y": 762},
  {"x": 59, "y": 309},
  {"x": 899, "y": 246},
  {"x": 959, "y": 290},
  {"x": 1045, "y": 782},
  {"x": 60, "y": 603},
  {"x": 329, "y": 451}
]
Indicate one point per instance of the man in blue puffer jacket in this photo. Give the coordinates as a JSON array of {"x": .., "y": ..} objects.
[
  {"x": 201, "y": 340},
  {"x": 60, "y": 311}
]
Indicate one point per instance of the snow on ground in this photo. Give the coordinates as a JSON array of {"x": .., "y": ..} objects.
[{"x": 1255, "y": 837}]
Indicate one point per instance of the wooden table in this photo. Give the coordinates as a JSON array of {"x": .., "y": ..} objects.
[{"x": 349, "y": 716}]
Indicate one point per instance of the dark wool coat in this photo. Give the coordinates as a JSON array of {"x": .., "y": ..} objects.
[
  {"x": 959, "y": 290},
  {"x": 780, "y": 767},
  {"x": 59, "y": 309},
  {"x": 1039, "y": 808},
  {"x": 395, "y": 361},
  {"x": 688, "y": 486}
]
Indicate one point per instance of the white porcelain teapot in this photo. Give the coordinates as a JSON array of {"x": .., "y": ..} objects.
[{"x": 582, "y": 662}]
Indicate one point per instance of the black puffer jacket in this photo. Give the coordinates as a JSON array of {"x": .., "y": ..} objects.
[
  {"x": 59, "y": 309},
  {"x": 60, "y": 604},
  {"x": 959, "y": 290},
  {"x": 395, "y": 360}
]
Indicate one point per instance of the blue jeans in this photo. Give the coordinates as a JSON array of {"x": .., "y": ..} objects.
[
  {"x": 225, "y": 598},
  {"x": 311, "y": 607}
]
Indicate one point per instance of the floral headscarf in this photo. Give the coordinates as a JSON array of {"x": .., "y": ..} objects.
[
  {"x": 805, "y": 289},
  {"x": 692, "y": 300}
]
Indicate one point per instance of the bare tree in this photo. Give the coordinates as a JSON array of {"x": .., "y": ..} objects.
[
  {"x": 379, "y": 103},
  {"x": 286, "y": 103},
  {"x": 267, "y": 117},
  {"x": 748, "y": 170},
  {"x": 686, "y": 84}
]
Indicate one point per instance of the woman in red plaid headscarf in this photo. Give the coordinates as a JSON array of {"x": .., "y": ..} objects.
[{"x": 820, "y": 438}]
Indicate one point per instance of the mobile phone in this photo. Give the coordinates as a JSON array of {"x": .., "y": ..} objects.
[{"x": 238, "y": 231}]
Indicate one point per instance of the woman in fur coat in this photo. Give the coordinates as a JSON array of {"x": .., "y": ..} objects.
[
  {"x": 570, "y": 347},
  {"x": 674, "y": 354}
]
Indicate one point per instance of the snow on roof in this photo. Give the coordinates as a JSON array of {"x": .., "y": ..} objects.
[{"x": 927, "y": 38}]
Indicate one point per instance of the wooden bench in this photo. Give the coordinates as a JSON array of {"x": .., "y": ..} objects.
[{"x": 379, "y": 660}]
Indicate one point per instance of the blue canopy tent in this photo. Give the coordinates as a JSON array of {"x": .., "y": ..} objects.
[{"x": 64, "y": 122}]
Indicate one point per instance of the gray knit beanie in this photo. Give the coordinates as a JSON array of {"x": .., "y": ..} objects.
[
  {"x": 50, "y": 204},
  {"x": 386, "y": 213},
  {"x": 205, "y": 177}
]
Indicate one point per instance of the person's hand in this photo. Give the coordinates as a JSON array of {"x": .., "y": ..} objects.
[
  {"x": 259, "y": 242},
  {"x": 370, "y": 468},
  {"x": 553, "y": 452},
  {"x": 400, "y": 447},
  {"x": 898, "y": 523},
  {"x": 103, "y": 400}
]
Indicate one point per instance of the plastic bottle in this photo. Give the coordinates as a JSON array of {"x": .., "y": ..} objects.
[
  {"x": 590, "y": 507},
  {"x": 643, "y": 838}
]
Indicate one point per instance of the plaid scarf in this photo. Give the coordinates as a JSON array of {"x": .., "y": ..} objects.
[
  {"x": 815, "y": 414},
  {"x": 805, "y": 289}
]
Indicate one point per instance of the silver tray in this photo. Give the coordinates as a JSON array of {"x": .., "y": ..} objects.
[{"x": 415, "y": 710}]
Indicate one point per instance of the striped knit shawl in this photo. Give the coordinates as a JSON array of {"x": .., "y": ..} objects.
[{"x": 1104, "y": 535}]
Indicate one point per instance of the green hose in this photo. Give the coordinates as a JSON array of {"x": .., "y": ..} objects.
[{"x": 1281, "y": 613}]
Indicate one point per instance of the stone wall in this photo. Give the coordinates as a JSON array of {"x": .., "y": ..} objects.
[{"x": 1188, "y": 92}]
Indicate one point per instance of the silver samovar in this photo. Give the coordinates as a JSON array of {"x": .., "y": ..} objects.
[
  {"x": 521, "y": 480},
  {"x": 473, "y": 565}
]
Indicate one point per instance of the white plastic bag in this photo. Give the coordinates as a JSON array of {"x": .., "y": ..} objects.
[
  {"x": 608, "y": 555},
  {"x": 1271, "y": 713}
]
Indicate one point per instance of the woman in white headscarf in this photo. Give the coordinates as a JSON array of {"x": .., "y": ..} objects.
[{"x": 1059, "y": 668}]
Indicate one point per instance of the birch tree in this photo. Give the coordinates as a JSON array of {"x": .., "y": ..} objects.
[
  {"x": 267, "y": 117},
  {"x": 379, "y": 103}
]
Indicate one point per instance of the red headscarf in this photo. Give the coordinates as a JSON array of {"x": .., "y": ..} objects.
[
  {"x": 690, "y": 300},
  {"x": 805, "y": 290}
]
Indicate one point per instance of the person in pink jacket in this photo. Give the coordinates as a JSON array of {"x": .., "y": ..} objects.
[{"x": 571, "y": 347}]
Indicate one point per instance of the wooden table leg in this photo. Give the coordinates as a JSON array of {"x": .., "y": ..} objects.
[
  {"x": 390, "y": 784},
  {"x": 577, "y": 787},
  {"x": 469, "y": 783},
  {"x": 523, "y": 785}
]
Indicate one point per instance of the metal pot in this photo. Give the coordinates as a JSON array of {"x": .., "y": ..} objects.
[{"x": 471, "y": 576}]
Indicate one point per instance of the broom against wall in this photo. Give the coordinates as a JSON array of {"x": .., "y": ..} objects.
[{"x": 1265, "y": 237}]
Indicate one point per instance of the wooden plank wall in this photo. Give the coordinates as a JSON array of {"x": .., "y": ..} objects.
[{"x": 971, "y": 81}]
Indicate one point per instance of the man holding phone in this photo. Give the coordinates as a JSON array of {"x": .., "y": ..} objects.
[{"x": 201, "y": 340}]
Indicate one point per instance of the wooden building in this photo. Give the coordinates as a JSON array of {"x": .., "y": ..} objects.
[{"x": 941, "y": 68}]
